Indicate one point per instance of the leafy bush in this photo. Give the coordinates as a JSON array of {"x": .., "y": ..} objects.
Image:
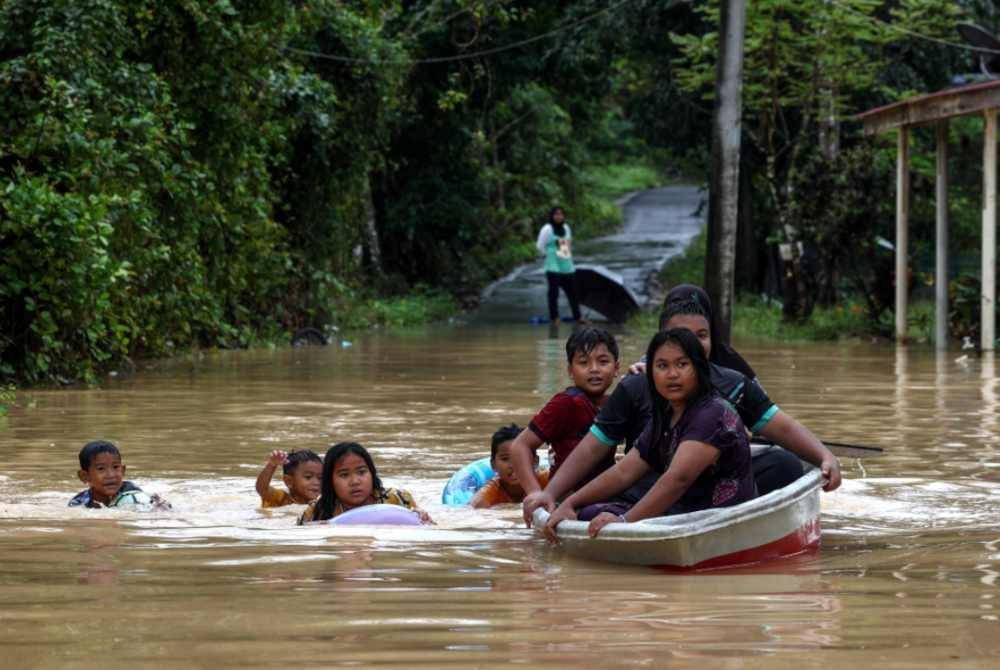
[
  {"x": 8, "y": 393},
  {"x": 965, "y": 307},
  {"x": 179, "y": 174}
]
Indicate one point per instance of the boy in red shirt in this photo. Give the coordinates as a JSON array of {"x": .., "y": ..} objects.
[{"x": 592, "y": 364}]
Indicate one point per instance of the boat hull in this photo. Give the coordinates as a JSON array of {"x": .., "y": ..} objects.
[{"x": 782, "y": 523}]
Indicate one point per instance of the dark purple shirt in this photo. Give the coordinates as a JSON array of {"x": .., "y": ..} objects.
[{"x": 728, "y": 481}]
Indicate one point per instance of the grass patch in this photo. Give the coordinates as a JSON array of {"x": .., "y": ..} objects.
[
  {"x": 8, "y": 393},
  {"x": 689, "y": 267},
  {"x": 758, "y": 318},
  {"x": 424, "y": 305},
  {"x": 597, "y": 212},
  {"x": 611, "y": 181},
  {"x": 644, "y": 322},
  {"x": 755, "y": 317}
]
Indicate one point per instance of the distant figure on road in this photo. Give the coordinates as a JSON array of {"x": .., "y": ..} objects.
[{"x": 555, "y": 242}]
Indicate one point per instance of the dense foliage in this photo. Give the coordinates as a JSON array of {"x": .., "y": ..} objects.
[
  {"x": 810, "y": 180},
  {"x": 186, "y": 173},
  {"x": 180, "y": 173}
]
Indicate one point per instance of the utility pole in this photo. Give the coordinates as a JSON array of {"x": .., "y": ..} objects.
[{"x": 720, "y": 259}]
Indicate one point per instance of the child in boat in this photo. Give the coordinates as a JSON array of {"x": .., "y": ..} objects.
[
  {"x": 592, "y": 365},
  {"x": 504, "y": 487},
  {"x": 102, "y": 470},
  {"x": 624, "y": 416},
  {"x": 349, "y": 480},
  {"x": 302, "y": 472},
  {"x": 695, "y": 440}
]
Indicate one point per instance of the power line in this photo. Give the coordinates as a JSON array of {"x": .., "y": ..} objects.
[
  {"x": 459, "y": 57},
  {"x": 912, "y": 33},
  {"x": 411, "y": 30}
]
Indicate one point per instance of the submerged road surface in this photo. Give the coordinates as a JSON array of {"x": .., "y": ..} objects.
[{"x": 659, "y": 224}]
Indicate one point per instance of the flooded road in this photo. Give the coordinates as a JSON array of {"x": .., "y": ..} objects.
[{"x": 906, "y": 577}]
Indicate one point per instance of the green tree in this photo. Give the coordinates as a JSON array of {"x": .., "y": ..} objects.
[{"x": 808, "y": 65}]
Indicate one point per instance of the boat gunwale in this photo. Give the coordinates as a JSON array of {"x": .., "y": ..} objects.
[{"x": 680, "y": 526}]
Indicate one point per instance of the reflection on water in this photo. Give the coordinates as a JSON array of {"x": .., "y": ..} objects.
[
  {"x": 989, "y": 389},
  {"x": 907, "y": 574}
]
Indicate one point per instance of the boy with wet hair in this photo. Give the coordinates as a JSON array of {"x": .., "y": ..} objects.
[
  {"x": 505, "y": 487},
  {"x": 592, "y": 365},
  {"x": 102, "y": 470},
  {"x": 302, "y": 472},
  {"x": 629, "y": 409}
]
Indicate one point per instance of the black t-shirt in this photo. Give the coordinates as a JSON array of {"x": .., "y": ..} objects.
[{"x": 626, "y": 413}]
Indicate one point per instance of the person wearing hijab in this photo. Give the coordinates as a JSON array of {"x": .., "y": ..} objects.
[
  {"x": 555, "y": 242},
  {"x": 626, "y": 413},
  {"x": 722, "y": 354}
]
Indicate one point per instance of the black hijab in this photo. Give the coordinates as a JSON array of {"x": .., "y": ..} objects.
[
  {"x": 722, "y": 354},
  {"x": 558, "y": 228}
]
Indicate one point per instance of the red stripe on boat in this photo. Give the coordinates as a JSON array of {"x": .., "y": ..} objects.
[{"x": 805, "y": 539}]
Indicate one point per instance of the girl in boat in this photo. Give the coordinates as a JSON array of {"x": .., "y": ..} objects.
[
  {"x": 350, "y": 480},
  {"x": 627, "y": 412},
  {"x": 695, "y": 441}
]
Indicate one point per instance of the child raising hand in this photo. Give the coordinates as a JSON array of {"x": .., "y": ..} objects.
[{"x": 301, "y": 472}]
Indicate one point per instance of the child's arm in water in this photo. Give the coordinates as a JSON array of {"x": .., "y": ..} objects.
[
  {"x": 159, "y": 504},
  {"x": 489, "y": 495},
  {"x": 406, "y": 499},
  {"x": 276, "y": 459},
  {"x": 523, "y": 453},
  {"x": 479, "y": 501}
]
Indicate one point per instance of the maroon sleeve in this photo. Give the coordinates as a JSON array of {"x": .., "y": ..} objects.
[{"x": 549, "y": 423}]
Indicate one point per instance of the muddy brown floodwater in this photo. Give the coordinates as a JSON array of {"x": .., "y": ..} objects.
[{"x": 906, "y": 576}]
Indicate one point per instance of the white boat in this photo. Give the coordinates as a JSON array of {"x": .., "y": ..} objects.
[{"x": 782, "y": 523}]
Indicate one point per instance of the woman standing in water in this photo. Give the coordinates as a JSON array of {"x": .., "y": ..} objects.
[{"x": 555, "y": 242}]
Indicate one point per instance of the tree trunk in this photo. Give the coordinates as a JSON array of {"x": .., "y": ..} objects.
[
  {"x": 829, "y": 126},
  {"x": 501, "y": 201},
  {"x": 795, "y": 293},
  {"x": 797, "y": 305},
  {"x": 724, "y": 191},
  {"x": 372, "y": 250},
  {"x": 747, "y": 256}
]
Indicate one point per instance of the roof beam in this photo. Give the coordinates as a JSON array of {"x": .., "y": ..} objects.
[{"x": 932, "y": 108}]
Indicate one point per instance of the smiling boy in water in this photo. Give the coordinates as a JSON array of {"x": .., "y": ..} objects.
[
  {"x": 592, "y": 365},
  {"x": 102, "y": 470},
  {"x": 505, "y": 486},
  {"x": 302, "y": 472}
]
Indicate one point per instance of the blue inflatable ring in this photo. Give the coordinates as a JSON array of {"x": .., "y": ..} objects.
[
  {"x": 463, "y": 484},
  {"x": 377, "y": 515}
]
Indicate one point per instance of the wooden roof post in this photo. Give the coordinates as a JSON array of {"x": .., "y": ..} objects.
[
  {"x": 941, "y": 247},
  {"x": 902, "y": 229},
  {"x": 989, "y": 287}
]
